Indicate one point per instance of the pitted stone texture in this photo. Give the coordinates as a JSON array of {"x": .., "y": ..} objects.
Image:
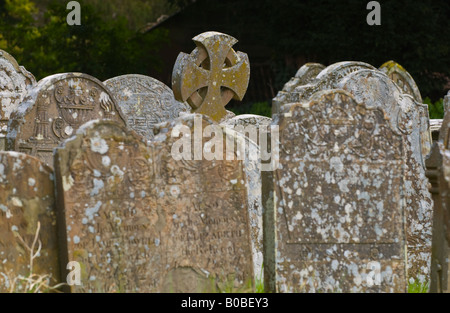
[
  {"x": 325, "y": 80},
  {"x": 140, "y": 221},
  {"x": 145, "y": 102},
  {"x": 54, "y": 109},
  {"x": 26, "y": 199},
  {"x": 442, "y": 245},
  {"x": 249, "y": 153},
  {"x": 439, "y": 255},
  {"x": 212, "y": 227},
  {"x": 411, "y": 119},
  {"x": 256, "y": 131},
  {"x": 402, "y": 79},
  {"x": 377, "y": 90},
  {"x": 339, "y": 198},
  {"x": 241, "y": 122},
  {"x": 211, "y": 75},
  {"x": 305, "y": 75},
  {"x": 15, "y": 81}
]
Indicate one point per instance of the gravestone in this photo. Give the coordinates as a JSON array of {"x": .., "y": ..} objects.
[
  {"x": 411, "y": 119},
  {"x": 138, "y": 220},
  {"x": 26, "y": 199},
  {"x": 248, "y": 151},
  {"x": 305, "y": 75},
  {"x": 250, "y": 125},
  {"x": 256, "y": 131},
  {"x": 54, "y": 109},
  {"x": 325, "y": 80},
  {"x": 211, "y": 75},
  {"x": 441, "y": 232},
  {"x": 145, "y": 102},
  {"x": 15, "y": 81},
  {"x": 402, "y": 78},
  {"x": 439, "y": 254},
  {"x": 339, "y": 199}
]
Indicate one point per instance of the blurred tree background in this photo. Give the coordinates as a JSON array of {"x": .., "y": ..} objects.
[
  {"x": 108, "y": 42},
  {"x": 112, "y": 39}
]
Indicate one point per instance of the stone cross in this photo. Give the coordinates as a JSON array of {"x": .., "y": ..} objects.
[{"x": 211, "y": 75}]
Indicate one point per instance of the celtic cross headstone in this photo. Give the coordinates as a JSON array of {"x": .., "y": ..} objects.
[{"x": 211, "y": 75}]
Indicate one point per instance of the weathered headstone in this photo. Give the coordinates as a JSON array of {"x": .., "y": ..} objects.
[
  {"x": 402, "y": 78},
  {"x": 305, "y": 75},
  {"x": 377, "y": 90},
  {"x": 256, "y": 130},
  {"x": 26, "y": 199},
  {"x": 139, "y": 220},
  {"x": 339, "y": 208},
  {"x": 325, "y": 80},
  {"x": 244, "y": 120},
  {"x": 54, "y": 109},
  {"x": 145, "y": 102},
  {"x": 15, "y": 81},
  {"x": 411, "y": 119},
  {"x": 441, "y": 232},
  {"x": 248, "y": 151},
  {"x": 439, "y": 254},
  {"x": 211, "y": 75}
]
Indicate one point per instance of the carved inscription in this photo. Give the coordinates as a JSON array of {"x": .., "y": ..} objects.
[{"x": 138, "y": 220}]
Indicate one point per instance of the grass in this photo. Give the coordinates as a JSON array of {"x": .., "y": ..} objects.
[
  {"x": 31, "y": 283},
  {"x": 418, "y": 287}
]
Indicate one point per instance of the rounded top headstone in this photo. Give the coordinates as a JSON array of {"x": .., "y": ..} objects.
[{"x": 55, "y": 108}]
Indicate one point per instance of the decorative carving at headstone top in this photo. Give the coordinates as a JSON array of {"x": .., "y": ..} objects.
[
  {"x": 339, "y": 199},
  {"x": 402, "y": 78},
  {"x": 377, "y": 89},
  {"x": 139, "y": 220},
  {"x": 409, "y": 117},
  {"x": 15, "y": 81},
  {"x": 211, "y": 75},
  {"x": 209, "y": 198},
  {"x": 326, "y": 79},
  {"x": 26, "y": 201},
  {"x": 305, "y": 75},
  {"x": 244, "y": 120},
  {"x": 54, "y": 109},
  {"x": 145, "y": 102}
]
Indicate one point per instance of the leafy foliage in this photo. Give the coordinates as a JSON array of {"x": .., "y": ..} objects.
[
  {"x": 436, "y": 109},
  {"x": 413, "y": 33},
  {"x": 259, "y": 108},
  {"x": 100, "y": 47}
]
